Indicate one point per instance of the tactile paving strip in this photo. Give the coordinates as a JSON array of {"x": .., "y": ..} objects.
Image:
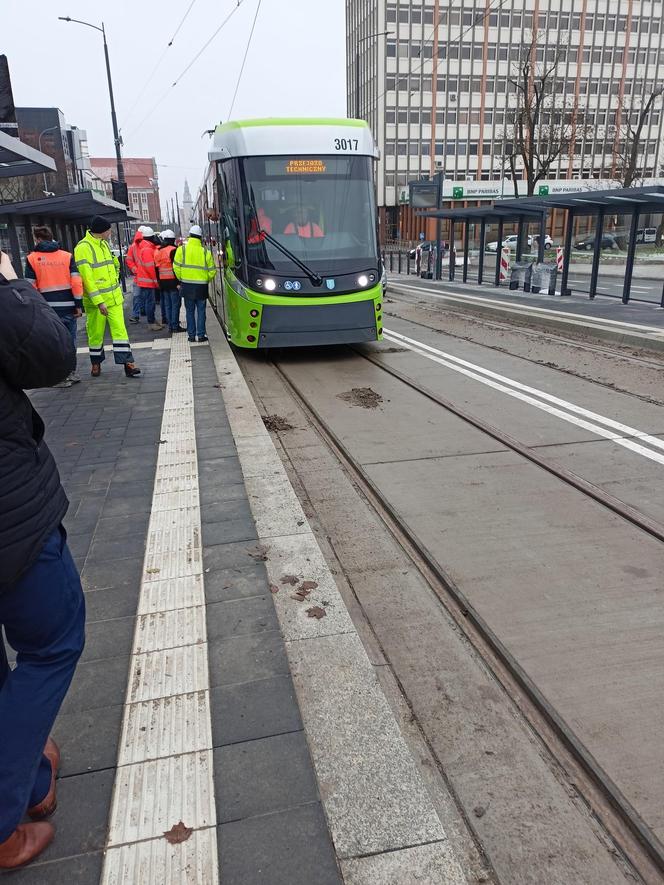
[{"x": 165, "y": 771}]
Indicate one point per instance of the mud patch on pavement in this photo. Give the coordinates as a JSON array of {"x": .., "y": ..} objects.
[
  {"x": 393, "y": 349},
  {"x": 364, "y": 397},
  {"x": 276, "y": 422}
]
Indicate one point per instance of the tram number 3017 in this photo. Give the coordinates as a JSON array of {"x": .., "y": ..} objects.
[{"x": 346, "y": 144}]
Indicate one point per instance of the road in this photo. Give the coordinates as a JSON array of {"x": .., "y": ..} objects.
[{"x": 569, "y": 588}]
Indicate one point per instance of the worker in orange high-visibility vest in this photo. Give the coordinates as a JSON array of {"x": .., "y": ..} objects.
[
  {"x": 130, "y": 262},
  {"x": 53, "y": 272},
  {"x": 145, "y": 279},
  {"x": 303, "y": 224},
  {"x": 169, "y": 286}
]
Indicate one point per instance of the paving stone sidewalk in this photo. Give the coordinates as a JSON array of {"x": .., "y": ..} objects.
[{"x": 105, "y": 436}]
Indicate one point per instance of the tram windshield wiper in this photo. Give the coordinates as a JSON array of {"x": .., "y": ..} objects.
[{"x": 315, "y": 278}]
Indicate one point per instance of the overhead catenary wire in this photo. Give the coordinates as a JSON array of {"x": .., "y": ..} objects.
[
  {"x": 186, "y": 69},
  {"x": 244, "y": 60},
  {"x": 207, "y": 43},
  {"x": 159, "y": 61}
]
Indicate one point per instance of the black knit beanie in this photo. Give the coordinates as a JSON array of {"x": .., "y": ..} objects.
[{"x": 98, "y": 225}]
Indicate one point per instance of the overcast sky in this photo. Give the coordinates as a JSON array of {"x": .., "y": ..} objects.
[{"x": 296, "y": 67}]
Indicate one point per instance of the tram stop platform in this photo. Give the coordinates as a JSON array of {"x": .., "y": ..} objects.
[
  {"x": 225, "y": 723},
  {"x": 640, "y": 323}
]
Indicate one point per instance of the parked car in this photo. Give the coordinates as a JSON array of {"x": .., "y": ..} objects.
[
  {"x": 513, "y": 239},
  {"x": 427, "y": 246},
  {"x": 588, "y": 243},
  {"x": 646, "y": 235}
]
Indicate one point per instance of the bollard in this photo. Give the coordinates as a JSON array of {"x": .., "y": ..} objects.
[
  {"x": 408, "y": 263},
  {"x": 560, "y": 258},
  {"x": 504, "y": 263},
  {"x": 399, "y": 263},
  {"x": 391, "y": 261}
]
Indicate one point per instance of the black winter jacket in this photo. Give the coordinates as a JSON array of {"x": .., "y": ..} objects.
[{"x": 36, "y": 350}]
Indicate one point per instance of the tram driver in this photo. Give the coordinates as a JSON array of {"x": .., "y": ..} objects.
[{"x": 303, "y": 224}]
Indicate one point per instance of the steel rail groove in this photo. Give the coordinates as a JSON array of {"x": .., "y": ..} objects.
[{"x": 608, "y": 789}]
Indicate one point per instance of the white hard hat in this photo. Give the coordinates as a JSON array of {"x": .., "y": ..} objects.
[
  {"x": 168, "y": 234},
  {"x": 196, "y": 230},
  {"x": 147, "y": 231},
  {"x": 143, "y": 228}
]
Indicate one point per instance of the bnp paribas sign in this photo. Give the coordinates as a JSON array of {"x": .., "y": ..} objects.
[{"x": 496, "y": 190}]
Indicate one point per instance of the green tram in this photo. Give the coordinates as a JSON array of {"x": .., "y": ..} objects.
[{"x": 291, "y": 206}]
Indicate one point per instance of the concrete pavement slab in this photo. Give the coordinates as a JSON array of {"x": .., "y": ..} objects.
[
  {"x": 285, "y": 848},
  {"x": 425, "y": 865}
]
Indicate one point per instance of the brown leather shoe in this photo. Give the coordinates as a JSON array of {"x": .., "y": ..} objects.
[
  {"x": 95, "y": 371},
  {"x": 50, "y": 802},
  {"x": 24, "y": 844},
  {"x": 131, "y": 370}
]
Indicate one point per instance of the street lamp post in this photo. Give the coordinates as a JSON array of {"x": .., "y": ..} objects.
[
  {"x": 357, "y": 66},
  {"x": 43, "y": 132},
  {"x": 116, "y": 134}
]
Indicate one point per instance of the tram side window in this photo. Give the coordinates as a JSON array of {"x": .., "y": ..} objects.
[{"x": 229, "y": 207}]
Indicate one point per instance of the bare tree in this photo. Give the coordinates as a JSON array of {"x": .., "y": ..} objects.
[
  {"x": 539, "y": 123},
  {"x": 628, "y": 132}
]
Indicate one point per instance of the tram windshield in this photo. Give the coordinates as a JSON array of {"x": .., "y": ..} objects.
[{"x": 321, "y": 209}]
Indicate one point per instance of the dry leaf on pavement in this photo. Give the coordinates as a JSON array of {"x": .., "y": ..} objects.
[
  {"x": 316, "y": 612},
  {"x": 178, "y": 833},
  {"x": 307, "y": 585}
]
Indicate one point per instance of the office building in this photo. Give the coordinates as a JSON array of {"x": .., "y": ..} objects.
[
  {"x": 436, "y": 88},
  {"x": 46, "y": 130}
]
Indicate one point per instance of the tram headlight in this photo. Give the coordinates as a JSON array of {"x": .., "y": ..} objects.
[
  {"x": 363, "y": 280},
  {"x": 270, "y": 285}
]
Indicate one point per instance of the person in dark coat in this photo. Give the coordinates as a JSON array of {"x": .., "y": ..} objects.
[{"x": 42, "y": 609}]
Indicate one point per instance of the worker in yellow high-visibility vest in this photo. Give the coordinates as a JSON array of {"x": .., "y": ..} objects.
[
  {"x": 102, "y": 298},
  {"x": 193, "y": 265}
]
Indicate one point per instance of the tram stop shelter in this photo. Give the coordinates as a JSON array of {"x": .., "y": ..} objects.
[
  {"x": 18, "y": 158},
  {"x": 66, "y": 215},
  {"x": 500, "y": 214},
  {"x": 635, "y": 203}
]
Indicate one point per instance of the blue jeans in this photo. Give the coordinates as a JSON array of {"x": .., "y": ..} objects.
[
  {"x": 71, "y": 323},
  {"x": 171, "y": 300},
  {"x": 43, "y": 614},
  {"x": 143, "y": 300},
  {"x": 195, "y": 308}
]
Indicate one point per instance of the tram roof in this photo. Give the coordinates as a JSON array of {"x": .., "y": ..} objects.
[{"x": 275, "y": 136}]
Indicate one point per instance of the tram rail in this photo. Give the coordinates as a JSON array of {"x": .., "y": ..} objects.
[{"x": 621, "y": 820}]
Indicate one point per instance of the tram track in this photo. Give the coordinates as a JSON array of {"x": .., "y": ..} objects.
[
  {"x": 618, "y": 816},
  {"x": 535, "y": 336}
]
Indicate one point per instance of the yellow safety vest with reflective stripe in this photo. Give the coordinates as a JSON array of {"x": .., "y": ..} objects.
[
  {"x": 194, "y": 263},
  {"x": 99, "y": 271}
]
